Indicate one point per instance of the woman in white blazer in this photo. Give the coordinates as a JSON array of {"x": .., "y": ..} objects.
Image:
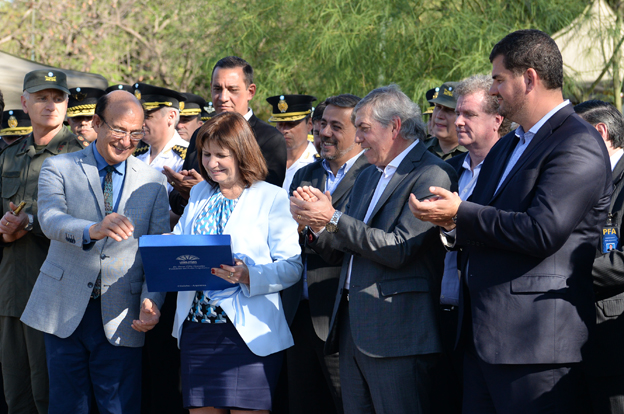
[{"x": 231, "y": 340}]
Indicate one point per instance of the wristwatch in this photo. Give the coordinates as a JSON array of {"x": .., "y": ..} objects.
[
  {"x": 31, "y": 221},
  {"x": 332, "y": 226}
]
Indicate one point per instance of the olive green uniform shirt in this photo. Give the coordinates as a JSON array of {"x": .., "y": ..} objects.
[
  {"x": 433, "y": 145},
  {"x": 19, "y": 167}
]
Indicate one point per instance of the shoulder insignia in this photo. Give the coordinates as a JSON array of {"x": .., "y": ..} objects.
[
  {"x": 317, "y": 157},
  {"x": 142, "y": 148},
  {"x": 180, "y": 150}
]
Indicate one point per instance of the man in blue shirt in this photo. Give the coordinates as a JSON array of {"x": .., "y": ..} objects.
[{"x": 90, "y": 299}]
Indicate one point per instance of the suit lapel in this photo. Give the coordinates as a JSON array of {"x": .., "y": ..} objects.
[
  {"x": 411, "y": 160},
  {"x": 89, "y": 166},
  {"x": 129, "y": 183},
  {"x": 531, "y": 151},
  {"x": 369, "y": 183},
  {"x": 347, "y": 181}
]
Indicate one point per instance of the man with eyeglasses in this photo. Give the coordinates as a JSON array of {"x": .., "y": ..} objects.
[
  {"x": 22, "y": 349},
  {"x": 90, "y": 299}
]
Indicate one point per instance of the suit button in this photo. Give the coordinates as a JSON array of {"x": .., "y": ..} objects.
[
  {"x": 90, "y": 285},
  {"x": 102, "y": 256}
]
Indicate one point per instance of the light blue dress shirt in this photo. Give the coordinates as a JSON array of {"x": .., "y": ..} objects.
[{"x": 119, "y": 176}]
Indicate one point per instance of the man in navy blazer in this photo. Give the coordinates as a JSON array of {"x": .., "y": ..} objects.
[{"x": 528, "y": 238}]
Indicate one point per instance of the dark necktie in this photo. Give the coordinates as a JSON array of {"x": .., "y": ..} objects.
[{"x": 108, "y": 208}]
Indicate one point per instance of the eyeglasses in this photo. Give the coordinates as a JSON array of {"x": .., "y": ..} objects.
[{"x": 135, "y": 136}]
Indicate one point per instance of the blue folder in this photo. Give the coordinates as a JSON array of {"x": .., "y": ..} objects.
[{"x": 175, "y": 263}]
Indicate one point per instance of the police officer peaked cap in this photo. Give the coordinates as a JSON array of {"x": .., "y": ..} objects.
[
  {"x": 287, "y": 108},
  {"x": 119, "y": 87},
  {"x": 193, "y": 105},
  {"x": 82, "y": 101},
  {"x": 155, "y": 97},
  {"x": 15, "y": 122}
]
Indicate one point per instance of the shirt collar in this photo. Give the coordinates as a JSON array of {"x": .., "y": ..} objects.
[
  {"x": 535, "y": 128},
  {"x": 248, "y": 115},
  {"x": 101, "y": 163},
  {"x": 346, "y": 166},
  {"x": 616, "y": 157},
  {"x": 394, "y": 164}
]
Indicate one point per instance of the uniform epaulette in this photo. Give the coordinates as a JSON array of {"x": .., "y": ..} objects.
[
  {"x": 82, "y": 141},
  {"x": 317, "y": 157},
  {"x": 142, "y": 148},
  {"x": 180, "y": 150}
]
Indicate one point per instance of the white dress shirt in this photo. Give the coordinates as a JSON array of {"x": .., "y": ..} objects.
[
  {"x": 167, "y": 156},
  {"x": 306, "y": 158},
  {"x": 386, "y": 175}
]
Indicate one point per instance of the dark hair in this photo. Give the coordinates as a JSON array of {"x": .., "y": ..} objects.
[
  {"x": 317, "y": 115},
  {"x": 346, "y": 100},
  {"x": 101, "y": 105},
  {"x": 230, "y": 130},
  {"x": 231, "y": 62},
  {"x": 595, "y": 112},
  {"x": 526, "y": 49}
]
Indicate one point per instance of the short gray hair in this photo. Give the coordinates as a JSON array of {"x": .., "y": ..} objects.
[
  {"x": 387, "y": 103},
  {"x": 26, "y": 95},
  {"x": 596, "y": 112},
  {"x": 475, "y": 84}
]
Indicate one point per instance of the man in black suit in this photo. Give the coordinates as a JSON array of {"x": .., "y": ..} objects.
[
  {"x": 605, "y": 360},
  {"x": 478, "y": 127},
  {"x": 313, "y": 377},
  {"x": 528, "y": 239},
  {"x": 231, "y": 87}
]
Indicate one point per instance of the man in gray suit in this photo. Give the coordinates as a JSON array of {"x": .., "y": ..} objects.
[
  {"x": 90, "y": 299},
  {"x": 384, "y": 317},
  {"x": 313, "y": 377}
]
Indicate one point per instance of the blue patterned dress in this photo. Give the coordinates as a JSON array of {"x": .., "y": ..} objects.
[{"x": 211, "y": 220}]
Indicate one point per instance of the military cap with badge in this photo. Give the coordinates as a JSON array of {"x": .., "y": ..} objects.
[
  {"x": 80, "y": 111},
  {"x": 208, "y": 111},
  {"x": 41, "y": 79},
  {"x": 288, "y": 108},
  {"x": 156, "y": 97},
  {"x": 193, "y": 105},
  {"x": 444, "y": 95},
  {"x": 153, "y": 98},
  {"x": 119, "y": 87},
  {"x": 15, "y": 125}
]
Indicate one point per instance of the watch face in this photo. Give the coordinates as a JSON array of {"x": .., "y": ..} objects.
[{"x": 331, "y": 228}]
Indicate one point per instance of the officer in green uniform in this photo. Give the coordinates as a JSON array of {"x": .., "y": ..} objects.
[
  {"x": 444, "y": 143},
  {"x": 15, "y": 126},
  {"x": 22, "y": 349},
  {"x": 80, "y": 111}
]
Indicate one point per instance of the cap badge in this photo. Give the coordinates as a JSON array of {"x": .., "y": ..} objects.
[
  {"x": 50, "y": 77},
  {"x": 12, "y": 122},
  {"x": 209, "y": 109},
  {"x": 181, "y": 106},
  {"x": 282, "y": 105},
  {"x": 119, "y": 86},
  {"x": 448, "y": 91},
  {"x": 137, "y": 93},
  {"x": 80, "y": 95}
]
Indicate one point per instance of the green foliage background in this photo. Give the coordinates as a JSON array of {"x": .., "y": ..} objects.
[{"x": 321, "y": 47}]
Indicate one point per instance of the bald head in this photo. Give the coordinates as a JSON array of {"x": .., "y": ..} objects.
[
  {"x": 117, "y": 102},
  {"x": 116, "y": 113}
]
